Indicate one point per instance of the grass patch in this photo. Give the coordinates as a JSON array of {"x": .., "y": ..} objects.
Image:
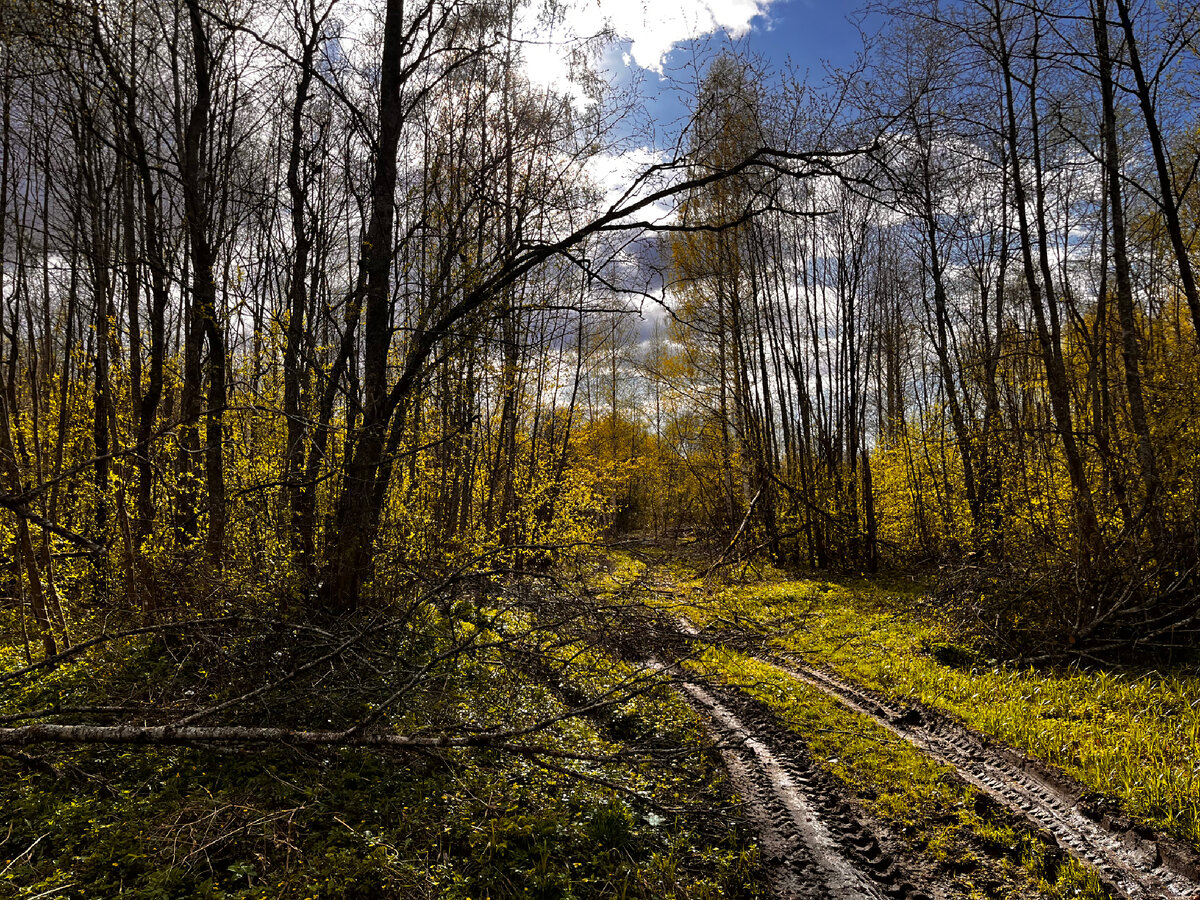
[
  {"x": 1132, "y": 736},
  {"x": 923, "y": 800}
]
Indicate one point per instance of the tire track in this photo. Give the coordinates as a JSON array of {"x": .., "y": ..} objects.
[
  {"x": 1134, "y": 868},
  {"x": 817, "y": 848},
  {"x": 812, "y": 845},
  {"x": 1132, "y": 861}
]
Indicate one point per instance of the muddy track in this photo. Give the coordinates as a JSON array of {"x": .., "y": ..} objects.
[
  {"x": 815, "y": 844},
  {"x": 805, "y": 833},
  {"x": 1136, "y": 865},
  {"x": 1133, "y": 862}
]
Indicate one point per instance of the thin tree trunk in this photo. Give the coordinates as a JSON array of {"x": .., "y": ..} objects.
[
  {"x": 1040, "y": 295},
  {"x": 1170, "y": 203},
  {"x": 358, "y": 510},
  {"x": 1131, "y": 352},
  {"x": 197, "y": 181}
]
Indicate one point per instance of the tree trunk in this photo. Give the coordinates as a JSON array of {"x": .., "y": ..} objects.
[
  {"x": 1131, "y": 352},
  {"x": 1041, "y": 295},
  {"x": 357, "y": 510},
  {"x": 197, "y": 179},
  {"x": 1170, "y": 204}
]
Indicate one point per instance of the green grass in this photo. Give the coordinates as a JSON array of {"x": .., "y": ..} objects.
[
  {"x": 181, "y": 823},
  {"x": 920, "y": 798},
  {"x": 1134, "y": 737}
]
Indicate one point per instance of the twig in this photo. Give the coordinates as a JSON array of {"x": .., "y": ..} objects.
[{"x": 26, "y": 852}]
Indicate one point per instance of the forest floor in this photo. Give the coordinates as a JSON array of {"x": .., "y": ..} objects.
[
  {"x": 707, "y": 733},
  {"x": 864, "y": 793}
]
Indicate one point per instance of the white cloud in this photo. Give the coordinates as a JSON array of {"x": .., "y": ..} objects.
[
  {"x": 616, "y": 172},
  {"x": 656, "y": 26},
  {"x": 651, "y": 27}
]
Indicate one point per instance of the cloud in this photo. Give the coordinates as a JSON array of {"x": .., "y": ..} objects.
[
  {"x": 615, "y": 172},
  {"x": 652, "y": 28}
]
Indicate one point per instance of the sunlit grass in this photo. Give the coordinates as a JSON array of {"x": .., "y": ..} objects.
[
  {"x": 922, "y": 799},
  {"x": 1133, "y": 736}
]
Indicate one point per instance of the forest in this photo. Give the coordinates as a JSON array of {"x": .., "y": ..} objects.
[{"x": 365, "y": 440}]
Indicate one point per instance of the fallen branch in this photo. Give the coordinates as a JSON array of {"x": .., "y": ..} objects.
[
  {"x": 241, "y": 734},
  {"x": 71, "y": 652},
  {"x": 53, "y": 527},
  {"x": 737, "y": 534}
]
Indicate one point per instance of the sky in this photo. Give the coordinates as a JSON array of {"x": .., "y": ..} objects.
[
  {"x": 659, "y": 49},
  {"x": 657, "y": 39},
  {"x": 809, "y": 32},
  {"x": 658, "y": 46}
]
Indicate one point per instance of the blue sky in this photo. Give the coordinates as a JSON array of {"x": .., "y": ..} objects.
[
  {"x": 810, "y": 32},
  {"x": 808, "y": 35},
  {"x": 661, "y": 37}
]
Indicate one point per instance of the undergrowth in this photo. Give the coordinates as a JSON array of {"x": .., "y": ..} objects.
[{"x": 625, "y": 810}]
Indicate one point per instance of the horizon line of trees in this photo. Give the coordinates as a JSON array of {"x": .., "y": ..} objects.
[
  {"x": 977, "y": 349},
  {"x": 301, "y": 311}
]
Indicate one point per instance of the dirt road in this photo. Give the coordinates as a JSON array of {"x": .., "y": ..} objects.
[
  {"x": 815, "y": 846},
  {"x": 819, "y": 847}
]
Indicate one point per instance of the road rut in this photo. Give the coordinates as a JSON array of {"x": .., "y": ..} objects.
[
  {"x": 1133, "y": 866},
  {"x": 808, "y": 858},
  {"x": 1134, "y": 863}
]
